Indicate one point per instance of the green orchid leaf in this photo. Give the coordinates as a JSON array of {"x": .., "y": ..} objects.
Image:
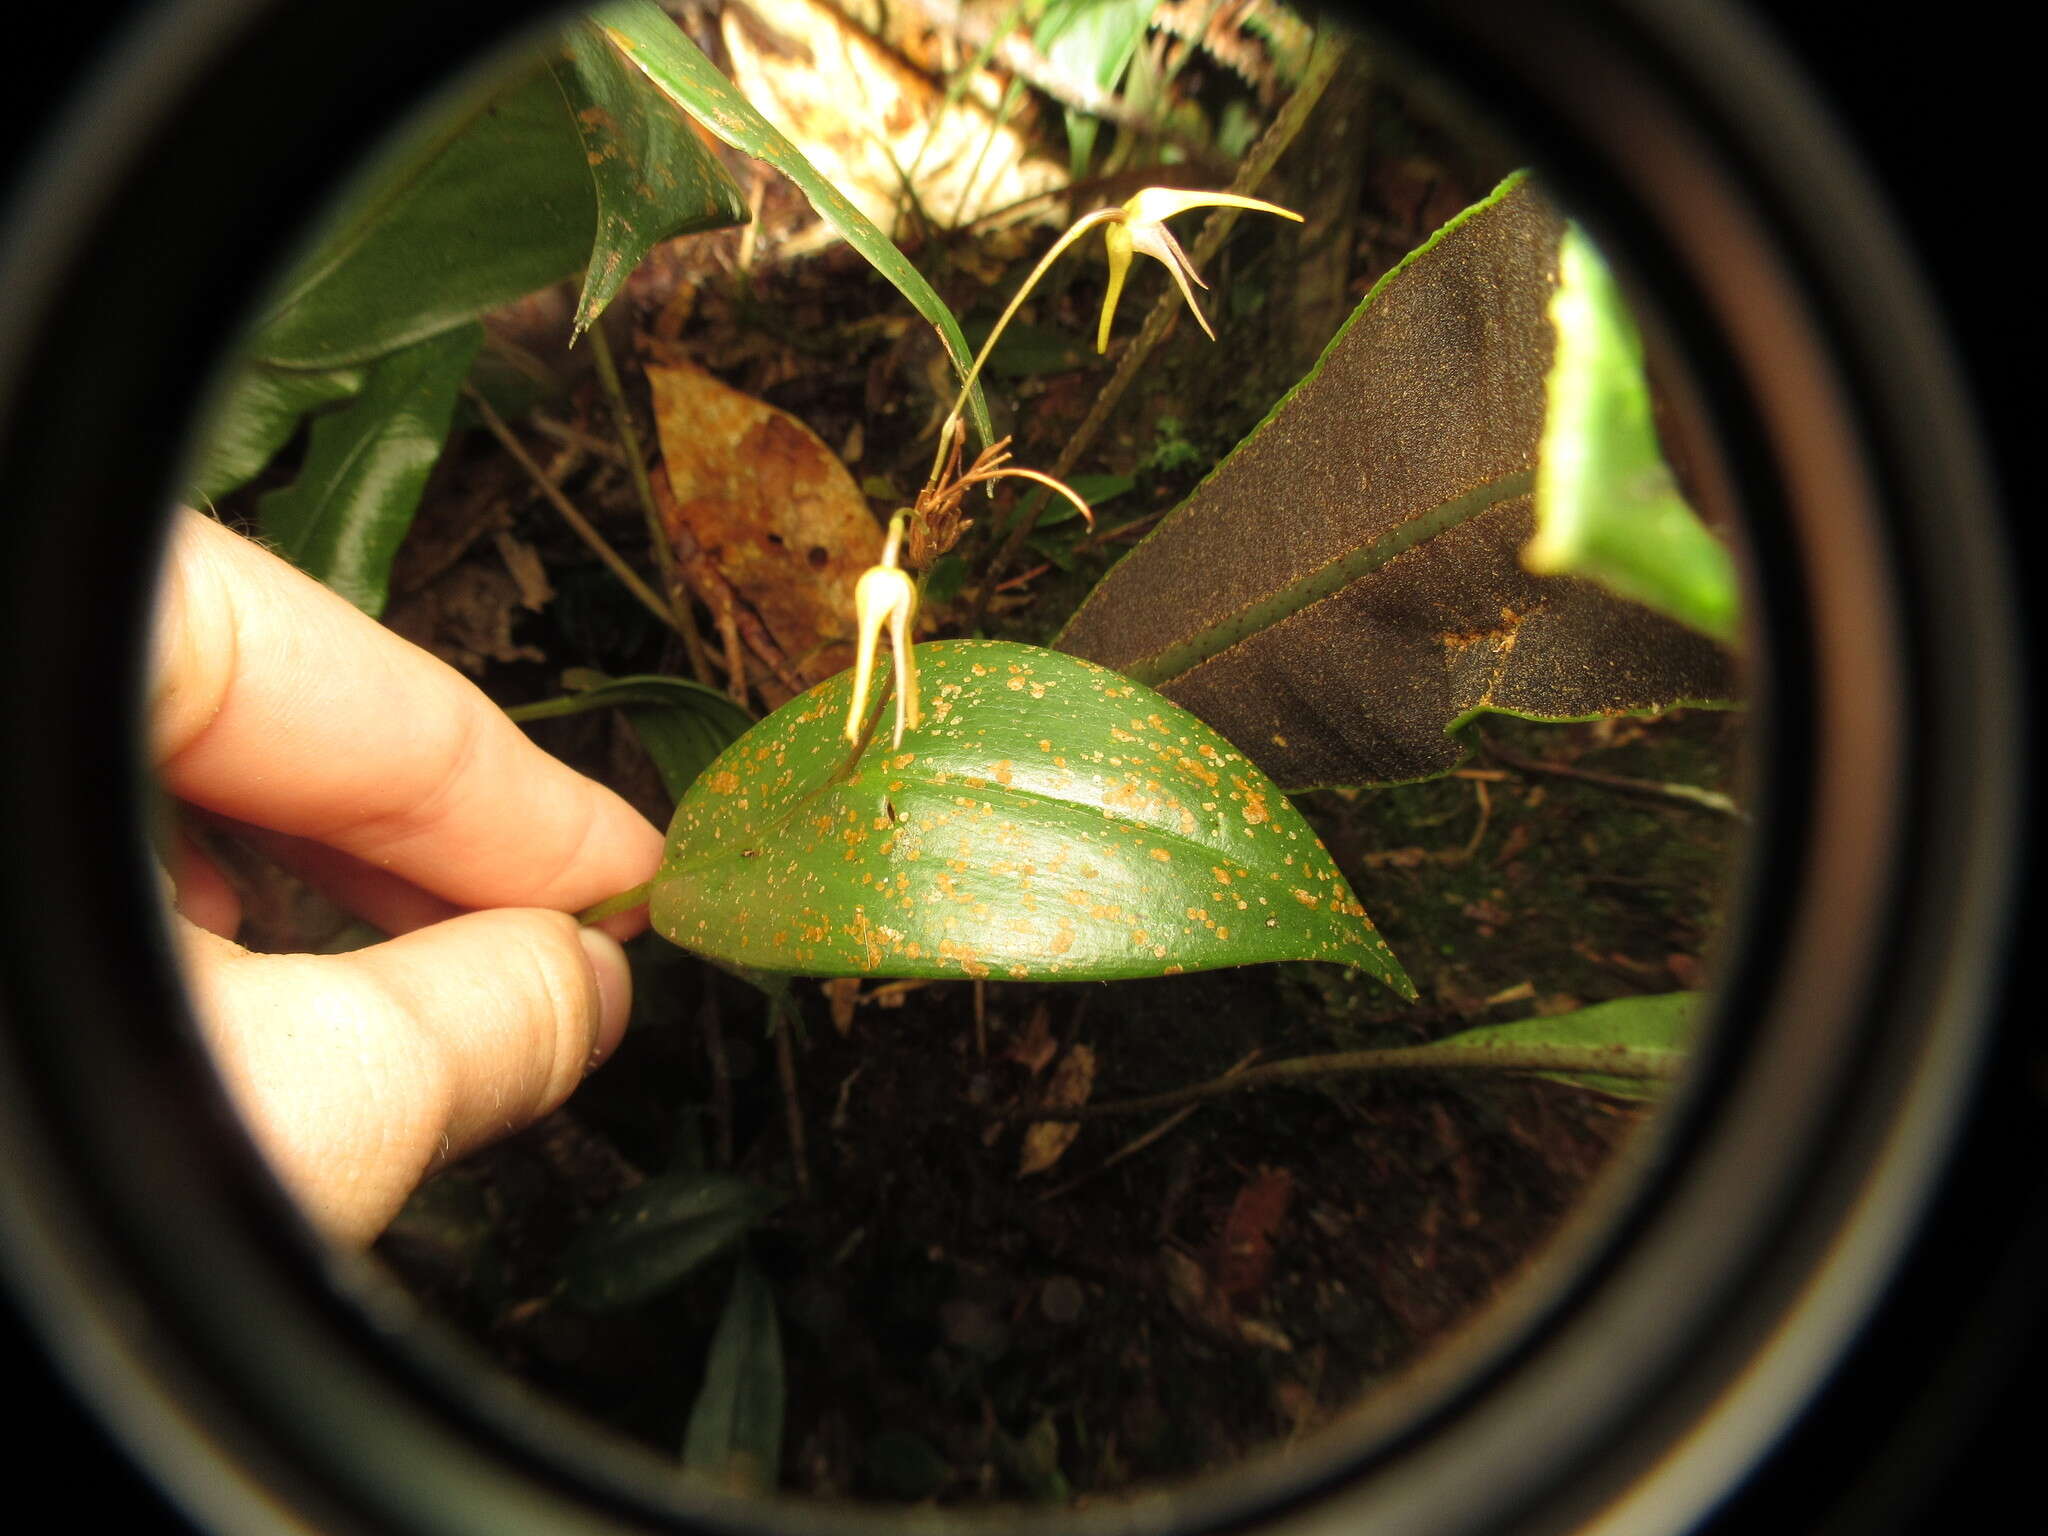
[
  {"x": 1607, "y": 506},
  {"x": 1047, "y": 820},
  {"x": 494, "y": 199},
  {"x": 1345, "y": 591},
  {"x": 1646, "y": 1039},
  {"x": 682, "y": 724},
  {"x": 255, "y": 415},
  {"x": 657, "y": 1235},
  {"x": 734, "y": 1438},
  {"x": 654, "y": 177},
  {"x": 366, "y": 464},
  {"x": 649, "y": 39}
]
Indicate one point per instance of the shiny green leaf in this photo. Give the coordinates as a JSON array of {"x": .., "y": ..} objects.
[
  {"x": 493, "y": 199},
  {"x": 646, "y": 36},
  {"x": 653, "y": 175},
  {"x": 1048, "y": 819},
  {"x": 734, "y": 1438},
  {"x": 1345, "y": 591},
  {"x": 255, "y": 415},
  {"x": 682, "y": 724},
  {"x": 658, "y": 1234},
  {"x": 343, "y": 519},
  {"x": 489, "y": 202},
  {"x": 1607, "y": 506}
]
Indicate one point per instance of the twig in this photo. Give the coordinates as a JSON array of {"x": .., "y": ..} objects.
[
  {"x": 576, "y": 520},
  {"x": 682, "y": 620},
  {"x": 1605, "y": 1061},
  {"x": 575, "y": 437},
  {"x": 712, "y": 1027},
  {"x": 1257, "y": 166},
  {"x": 780, "y": 1009},
  {"x": 1685, "y": 794},
  {"x": 1134, "y": 1147}
]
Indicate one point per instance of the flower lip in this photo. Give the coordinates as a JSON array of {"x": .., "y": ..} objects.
[{"x": 1142, "y": 227}]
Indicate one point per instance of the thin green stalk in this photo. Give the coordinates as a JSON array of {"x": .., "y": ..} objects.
[
  {"x": 1075, "y": 231},
  {"x": 1446, "y": 1056},
  {"x": 612, "y": 906}
]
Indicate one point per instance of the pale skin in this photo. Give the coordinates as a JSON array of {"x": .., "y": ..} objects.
[{"x": 389, "y": 780}]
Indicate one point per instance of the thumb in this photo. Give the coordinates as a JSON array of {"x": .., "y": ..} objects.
[{"x": 358, "y": 1074}]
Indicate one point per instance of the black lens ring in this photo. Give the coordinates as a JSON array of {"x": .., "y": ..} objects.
[{"x": 254, "y": 1378}]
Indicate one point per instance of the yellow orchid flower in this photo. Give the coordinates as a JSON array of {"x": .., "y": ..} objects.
[
  {"x": 885, "y": 594},
  {"x": 1143, "y": 228}
]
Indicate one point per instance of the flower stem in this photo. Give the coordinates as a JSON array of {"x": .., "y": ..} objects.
[{"x": 1074, "y": 231}]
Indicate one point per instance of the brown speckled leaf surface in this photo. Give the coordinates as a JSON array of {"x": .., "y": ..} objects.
[{"x": 1346, "y": 587}]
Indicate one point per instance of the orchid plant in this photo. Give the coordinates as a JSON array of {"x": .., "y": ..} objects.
[{"x": 885, "y": 595}]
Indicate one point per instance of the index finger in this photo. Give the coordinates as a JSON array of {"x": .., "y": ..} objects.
[{"x": 277, "y": 702}]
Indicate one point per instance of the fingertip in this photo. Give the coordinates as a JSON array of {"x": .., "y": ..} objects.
[{"x": 614, "y": 979}]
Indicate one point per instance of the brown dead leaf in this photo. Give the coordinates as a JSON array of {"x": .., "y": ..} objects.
[
  {"x": 527, "y": 570},
  {"x": 1033, "y": 1046},
  {"x": 862, "y": 115},
  {"x": 843, "y": 994},
  {"x": 1193, "y": 1294},
  {"x": 1244, "y": 1248},
  {"x": 465, "y": 617},
  {"x": 775, "y": 515},
  {"x": 1046, "y": 1140}
]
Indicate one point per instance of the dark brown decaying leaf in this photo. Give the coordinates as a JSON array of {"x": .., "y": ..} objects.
[{"x": 1346, "y": 587}]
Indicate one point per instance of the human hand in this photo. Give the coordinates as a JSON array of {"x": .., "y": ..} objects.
[{"x": 390, "y": 781}]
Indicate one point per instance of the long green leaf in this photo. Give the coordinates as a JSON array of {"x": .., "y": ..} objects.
[
  {"x": 1607, "y": 506},
  {"x": 734, "y": 1438},
  {"x": 1646, "y": 1038},
  {"x": 657, "y": 1235},
  {"x": 646, "y": 162},
  {"x": 348, "y": 512},
  {"x": 1345, "y": 590},
  {"x": 256, "y": 413},
  {"x": 496, "y": 198},
  {"x": 1048, "y": 819},
  {"x": 682, "y": 724},
  {"x": 653, "y": 42}
]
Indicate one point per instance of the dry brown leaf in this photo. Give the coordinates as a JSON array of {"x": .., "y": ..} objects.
[
  {"x": 777, "y": 517},
  {"x": 465, "y": 617},
  {"x": 861, "y": 115},
  {"x": 1047, "y": 1140},
  {"x": 1244, "y": 1248},
  {"x": 527, "y": 569},
  {"x": 1033, "y": 1046},
  {"x": 843, "y": 994},
  {"x": 1194, "y": 1294}
]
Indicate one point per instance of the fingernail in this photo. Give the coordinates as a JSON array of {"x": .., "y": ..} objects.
[{"x": 614, "y": 988}]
